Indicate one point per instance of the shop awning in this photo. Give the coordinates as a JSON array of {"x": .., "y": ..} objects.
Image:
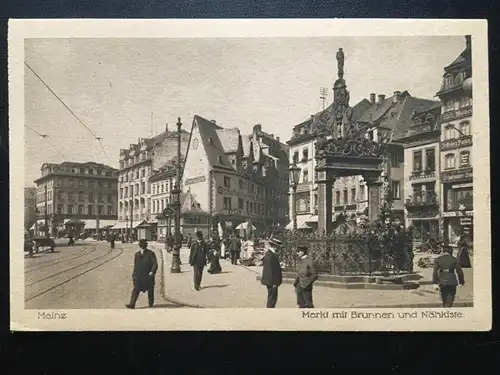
[
  {"x": 244, "y": 226},
  {"x": 121, "y": 225},
  {"x": 92, "y": 223},
  {"x": 40, "y": 223}
]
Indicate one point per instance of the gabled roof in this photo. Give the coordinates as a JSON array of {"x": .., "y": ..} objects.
[
  {"x": 463, "y": 58},
  {"x": 211, "y": 142}
]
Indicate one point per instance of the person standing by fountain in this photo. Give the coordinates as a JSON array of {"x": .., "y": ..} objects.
[
  {"x": 306, "y": 276},
  {"x": 272, "y": 276},
  {"x": 444, "y": 276}
]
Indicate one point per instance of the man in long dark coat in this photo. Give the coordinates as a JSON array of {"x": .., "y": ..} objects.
[
  {"x": 143, "y": 277},
  {"x": 306, "y": 276},
  {"x": 272, "y": 276},
  {"x": 235, "y": 249},
  {"x": 198, "y": 259},
  {"x": 444, "y": 276}
]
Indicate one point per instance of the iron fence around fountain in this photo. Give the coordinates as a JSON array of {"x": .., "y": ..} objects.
[{"x": 343, "y": 254}]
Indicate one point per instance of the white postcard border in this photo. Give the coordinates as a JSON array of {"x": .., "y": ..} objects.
[{"x": 477, "y": 318}]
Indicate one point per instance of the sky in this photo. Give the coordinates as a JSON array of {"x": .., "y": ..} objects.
[{"x": 125, "y": 89}]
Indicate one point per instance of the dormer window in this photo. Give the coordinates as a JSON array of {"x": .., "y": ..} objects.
[
  {"x": 210, "y": 140},
  {"x": 220, "y": 160}
]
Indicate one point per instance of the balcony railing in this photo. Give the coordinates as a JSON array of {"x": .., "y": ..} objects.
[
  {"x": 425, "y": 174},
  {"x": 421, "y": 199},
  {"x": 456, "y": 143},
  {"x": 457, "y": 114}
]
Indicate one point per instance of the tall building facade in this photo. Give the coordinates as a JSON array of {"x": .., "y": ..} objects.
[
  {"x": 29, "y": 207},
  {"x": 381, "y": 118},
  {"x": 82, "y": 191},
  {"x": 456, "y": 146},
  {"x": 237, "y": 178},
  {"x": 137, "y": 164},
  {"x": 422, "y": 180}
]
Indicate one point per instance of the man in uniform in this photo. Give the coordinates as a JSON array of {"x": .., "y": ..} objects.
[
  {"x": 271, "y": 272},
  {"x": 306, "y": 276},
  {"x": 198, "y": 258},
  {"x": 143, "y": 277},
  {"x": 444, "y": 276}
]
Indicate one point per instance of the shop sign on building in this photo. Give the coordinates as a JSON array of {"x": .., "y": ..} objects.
[{"x": 461, "y": 174}]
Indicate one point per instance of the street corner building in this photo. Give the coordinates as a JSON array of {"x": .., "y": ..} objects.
[
  {"x": 138, "y": 164},
  {"x": 237, "y": 178}
]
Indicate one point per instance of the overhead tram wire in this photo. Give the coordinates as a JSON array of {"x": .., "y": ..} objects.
[
  {"x": 46, "y": 137},
  {"x": 99, "y": 139}
]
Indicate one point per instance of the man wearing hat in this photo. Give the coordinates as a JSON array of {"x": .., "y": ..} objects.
[
  {"x": 306, "y": 276},
  {"x": 198, "y": 258},
  {"x": 143, "y": 277},
  {"x": 271, "y": 272},
  {"x": 444, "y": 276}
]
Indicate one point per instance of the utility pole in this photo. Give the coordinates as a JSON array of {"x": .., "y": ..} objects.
[{"x": 176, "y": 260}]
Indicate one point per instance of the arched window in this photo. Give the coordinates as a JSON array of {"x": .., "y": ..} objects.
[
  {"x": 464, "y": 158},
  {"x": 449, "y": 132},
  {"x": 449, "y": 161},
  {"x": 465, "y": 128}
]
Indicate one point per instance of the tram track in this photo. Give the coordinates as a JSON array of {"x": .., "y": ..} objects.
[
  {"x": 50, "y": 263},
  {"x": 52, "y": 287}
]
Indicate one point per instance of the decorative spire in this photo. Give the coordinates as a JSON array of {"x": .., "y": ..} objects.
[{"x": 340, "y": 63}]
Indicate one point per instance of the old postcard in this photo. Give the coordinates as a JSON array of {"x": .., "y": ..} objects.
[{"x": 326, "y": 175}]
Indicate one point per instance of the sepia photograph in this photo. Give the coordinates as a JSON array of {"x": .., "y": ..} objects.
[{"x": 316, "y": 180}]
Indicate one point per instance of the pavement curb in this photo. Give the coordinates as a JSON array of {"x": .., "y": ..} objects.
[{"x": 164, "y": 263}]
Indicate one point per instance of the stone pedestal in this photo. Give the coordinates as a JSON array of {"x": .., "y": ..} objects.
[{"x": 325, "y": 201}]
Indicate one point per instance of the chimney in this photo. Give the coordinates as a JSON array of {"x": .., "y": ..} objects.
[
  {"x": 468, "y": 42},
  {"x": 213, "y": 121},
  {"x": 372, "y": 97},
  {"x": 166, "y": 127},
  {"x": 257, "y": 128},
  {"x": 381, "y": 98},
  {"x": 277, "y": 139},
  {"x": 397, "y": 96}
]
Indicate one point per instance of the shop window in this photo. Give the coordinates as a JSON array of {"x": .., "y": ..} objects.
[
  {"x": 449, "y": 161},
  {"x": 423, "y": 230}
]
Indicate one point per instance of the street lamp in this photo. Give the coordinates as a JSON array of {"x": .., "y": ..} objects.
[
  {"x": 37, "y": 212},
  {"x": 294, "y": 179},
  {"x": 176, "y": 195},
  {"x": 167, "y": 213}
]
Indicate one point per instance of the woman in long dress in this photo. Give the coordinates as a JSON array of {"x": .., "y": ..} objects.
[{"x": 214, "y": 258}]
